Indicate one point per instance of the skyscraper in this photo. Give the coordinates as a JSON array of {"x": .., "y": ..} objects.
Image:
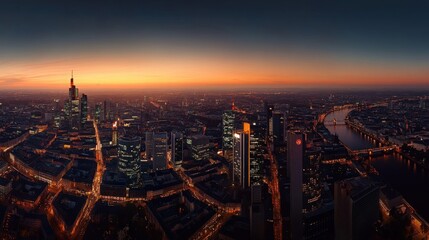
[
  {"x": 257, "y": 139},
  {"x": 277, "y": 129},
  {"x": 295, "y": 156},
  {"x": 356, "y": 203},
  {"x": 311, "y": 186},
  {"x": 309, "y": 219},
  {"x": 257, "y": 214},
  {"x": 73, "y": 106},
  {"x": 241, "y": 163},
  {"x": 269, "y": 109},
  {"x": 177, "y": 144},
  {"x": 160, "y": 148},
  {"x": 129, "y": 158},
  {"x": 83, "y": 109},
  {"x": 115, "y": 133},
  {"x": 228, "y": 121},
  {"x": 106, "y": 111},
  {"x": 199, "y": 145},
  {"x": 97, "y": 113},
  {"x": 149, "y": 145}
]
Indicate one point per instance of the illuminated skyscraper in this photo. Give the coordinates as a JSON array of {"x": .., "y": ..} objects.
[
  {"x": 160, "y": 148},
  {"x": 228, "y": 121},
  {"x": 83, "y": 109},
  {"x": 311, "y": 185},
  {"x": 199, "y": 146},
  {"x": 129, "y": 158},
  {"x": 97, "y": 113},
  {"x": 73, "y": 90},
  {"x": 257, "y": 139},
  {"x": 241, "y": 163},
  {"x": 115, "y": 134},
  {"x": 156, "y": 149},
  {"x": 73, "y": 106},
  {"x": 305, "y": 189},
  {"x": 177, "y": 144}
]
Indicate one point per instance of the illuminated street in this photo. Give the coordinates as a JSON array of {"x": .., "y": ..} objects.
[{"x": 275, "y": 192}]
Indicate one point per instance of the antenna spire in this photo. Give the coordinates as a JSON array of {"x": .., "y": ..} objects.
[{"x": 71, "y": 80}]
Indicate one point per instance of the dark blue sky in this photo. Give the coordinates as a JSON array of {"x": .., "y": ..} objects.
[
  {"x": 372, "y": 27},
  {"x": 369, "y": 31}
]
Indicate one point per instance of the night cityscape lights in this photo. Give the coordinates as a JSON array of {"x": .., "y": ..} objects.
[{"x": 214, "y": 120}]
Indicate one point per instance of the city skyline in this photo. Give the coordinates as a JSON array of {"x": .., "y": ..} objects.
[
  {"x": 214, "y": 120},
  {"x": 297, "y": 169},
  {"x": 214, "y": 45}
]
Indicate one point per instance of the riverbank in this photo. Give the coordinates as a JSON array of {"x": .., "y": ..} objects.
[
  {"x": 396, "y": 144},
  {"x": 393, "y": 168}
]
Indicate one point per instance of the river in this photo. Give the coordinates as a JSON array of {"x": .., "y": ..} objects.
[{"x": 411, "y": 181}]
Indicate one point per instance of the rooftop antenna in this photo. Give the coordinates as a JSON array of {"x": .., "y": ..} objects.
[{"x": 71, "y": 80}]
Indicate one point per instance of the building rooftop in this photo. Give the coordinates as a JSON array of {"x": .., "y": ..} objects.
[
  {"x": 180, "y": 215},
  {"x": 236, "y": 227},
  {"x": 25, "y": 189},
  {"x": 69, "y": 206},
  {"x": 358, "y": 186},
  {"x": 83, "y": 170}
]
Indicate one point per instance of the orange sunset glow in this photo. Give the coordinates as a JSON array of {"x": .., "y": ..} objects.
[
  {"x": 198, "y": 71},
  {"x": 177, "y": 47}
]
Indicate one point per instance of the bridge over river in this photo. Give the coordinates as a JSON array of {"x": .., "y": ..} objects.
[{"x": 410, "y": 180}]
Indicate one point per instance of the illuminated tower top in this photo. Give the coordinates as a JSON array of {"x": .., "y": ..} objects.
[{"x": 73, "y": 91}]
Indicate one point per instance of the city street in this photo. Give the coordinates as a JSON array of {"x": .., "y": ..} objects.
[{"x": 275, "y": 192}]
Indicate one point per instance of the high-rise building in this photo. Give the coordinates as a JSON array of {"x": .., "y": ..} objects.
[
  {"x": 269, "y": 109},
  {"x": 160, "y": 148},
  {"x": 257, "y": 141},
  {"x": 73, "y": 106},
  {"x": 228, "y": 121},
  {"x": 199, "y": 145},
  {"x": 115, "y": 133},
  {"x": 74, "y": 115},
  {"x": 97, "y": 113},
  {"x": 257, "y": 214},
  {"x": 83, "y": 109},
  {"x": 306, "y": 212},
  {"x": 106, "y": 111},
  {"x": 177, "y": 144},
  {"x": 311, "y": 185},
  {"x": 356, "y": 203},
  {"x": 156, "y": 149},
  {"x": 129, "y": 158},
  {"x": 241, "y": 163},
  {"x": 319, "y": 224},
  {"x": 149, "y": 145},
  {"x": 295, "y": 156},
  {"x": 277, "y": 123}
]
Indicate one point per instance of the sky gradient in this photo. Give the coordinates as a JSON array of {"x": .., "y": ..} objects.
[{"x": 163, "y": 44}]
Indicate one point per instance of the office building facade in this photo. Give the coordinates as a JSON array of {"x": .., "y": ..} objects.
[
  {"x": 129, "y": 158},
  {"x": 241, "y": 163},
  {"x": 295, "y": 156},
  {"x": 177, "y": 145},
  {"x": 228, "y": 123}
]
